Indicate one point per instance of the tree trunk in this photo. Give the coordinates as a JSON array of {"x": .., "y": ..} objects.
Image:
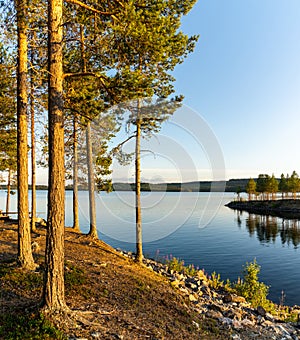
[
  {"x": 33, "y": 161},
  {"x": 91, "y": 183},
  {"x": 54, "y": 293},
  {"x": 75, "y": 175},
  {"x": 89, "y": 151},
  {"x": 8, "y": 191},
  {"x": 138, "y": 212},
  {"x": 25, "y": 257}
]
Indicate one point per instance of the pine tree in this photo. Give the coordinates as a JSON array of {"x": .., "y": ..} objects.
[
  {"x": 8, "y": 131},
  {"x": 53, "y": 293},
  {"x": 25, "y": 257},
  {"x": 150, "y": 45},
  {"x": 251, "y": 188}
]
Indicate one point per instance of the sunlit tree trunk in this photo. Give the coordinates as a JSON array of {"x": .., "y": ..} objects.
[
  {"x": 75, "y": 175},
  {"x": 89, "y": 151},
  {"x": 91, "y": 183},
  {"x": 138, "y": 212},
  {"x": 33, "y": 161},
  {"x": 25, "y": 257},
  {"x": 54, "y": 293},
  {"x": 8, "y": 191}
]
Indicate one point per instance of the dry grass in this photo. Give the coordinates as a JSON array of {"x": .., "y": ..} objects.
[{"x": 109, "y": 296}]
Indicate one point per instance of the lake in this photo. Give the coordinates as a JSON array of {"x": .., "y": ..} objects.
[{"x": 199, "y": 229}]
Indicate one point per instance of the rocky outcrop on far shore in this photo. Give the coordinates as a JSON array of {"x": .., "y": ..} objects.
[{"x": 285, "y": 208}]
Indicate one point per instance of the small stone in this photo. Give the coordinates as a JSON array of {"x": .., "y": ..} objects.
[
  {"x": 247, "y": 322},
  {"x": 236, "y": 315},
  {"x": 261, "y": 311},
  {"x": 269, "y": 317},
  {"x": 214, "y": 314},
  {"x": 206, "y": 290},
  {"x": 236, "y": 324},
  {"x": 226, "y": 321},
  {"x": 192, "y": 298},
  {"x": 235, "y": 337},
  {"x": 195, "y": 324}
]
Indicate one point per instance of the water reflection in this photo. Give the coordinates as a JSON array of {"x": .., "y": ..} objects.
[{"x": 269, "y": 228}]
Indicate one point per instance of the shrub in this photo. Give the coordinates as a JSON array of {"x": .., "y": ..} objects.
[
  {"x": 251, "y": 289},
  {"x": 215, "y": 281}
]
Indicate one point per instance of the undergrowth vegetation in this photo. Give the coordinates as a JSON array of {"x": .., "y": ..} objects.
[
  {"x": 27, "y": 326},
  {"x": 248, "y": 286}
]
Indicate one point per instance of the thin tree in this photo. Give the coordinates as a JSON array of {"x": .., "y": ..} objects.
[
  {"x": 25, "y": 257},
  {"x": 33, "y": 148},
  {"x": 149, "y": 50},
  {"x": 75, "y": 174},
  {"x": 251, "y": 188}
]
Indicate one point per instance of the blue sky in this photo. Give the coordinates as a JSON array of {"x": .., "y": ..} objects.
[{"x": 244, "y": 80}]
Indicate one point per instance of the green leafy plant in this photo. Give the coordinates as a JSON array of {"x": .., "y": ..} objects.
[
  {"x": 178, "y": 265},
  {"x": 215, "y": 281},
  {"x": 251, "y": 289}
]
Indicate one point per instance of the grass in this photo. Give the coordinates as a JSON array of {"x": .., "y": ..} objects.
[{"x": 27, "y": 326}]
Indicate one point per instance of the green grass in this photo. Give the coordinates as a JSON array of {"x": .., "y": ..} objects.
[{"x": 27, "y": 326}]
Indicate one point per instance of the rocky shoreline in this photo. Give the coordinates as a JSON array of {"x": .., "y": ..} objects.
[
  {"x": 229, "y": 311},
  {"x": 284, "y": 208}
]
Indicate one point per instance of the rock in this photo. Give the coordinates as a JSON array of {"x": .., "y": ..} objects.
[
  {"x": 261, "y": 311},
  {"x": 206, "y": 290},
  {"x": 247, "y": 323},
  {"x": 235, "y": 337},
  {"x": 234, "y": 314},
  {"x": 196, "y": 324},
  {"x": 192, "y": 298},
  {"x": 236, "y": 324},
  {"x": 233, "y": 298},
  {"x": 214, "y": 314},
  {"x": 226, "y": 321},
  {"x": 269, "y": 317}
]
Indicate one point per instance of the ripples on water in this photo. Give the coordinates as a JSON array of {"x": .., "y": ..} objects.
[{"x": 199, "y": 229}]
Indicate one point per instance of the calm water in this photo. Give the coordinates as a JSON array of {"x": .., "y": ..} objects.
[{"x": 198, "y": 228}]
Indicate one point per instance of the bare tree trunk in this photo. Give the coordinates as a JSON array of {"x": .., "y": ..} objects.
[
  {"x": 8, "y": 191},
  {"x": 91, "y": 178},
  {"x": 33, "y": 162},
  {"x": 138, "y": 212},
  {"x": 91, "y": 183},
  {"x": 25, "y": 257},
  {"x": 75, "y": 175},
  {"x": 54, "y": 291}
]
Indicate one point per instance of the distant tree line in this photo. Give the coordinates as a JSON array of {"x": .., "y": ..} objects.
[{"x": 266, "y": 187}]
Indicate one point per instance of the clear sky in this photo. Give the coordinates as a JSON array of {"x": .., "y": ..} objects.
[{"x": 244, "y": 80}]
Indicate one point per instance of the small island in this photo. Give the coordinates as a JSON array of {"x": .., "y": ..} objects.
[{"x": 284, "y": 208}]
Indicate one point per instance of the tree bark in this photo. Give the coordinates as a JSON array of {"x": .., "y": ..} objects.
[
  {"x": 54, "y": 293},
  {"x": 8, "y": 191},
  {"x": 89, "y": 151},
  {"x": 138, "y": 212},
  {"x": 75, "y": 175},
  {"x": 25, "y": 257},
  {"x": 91, "y": 183},
  {"x": 33, "y": 153}
]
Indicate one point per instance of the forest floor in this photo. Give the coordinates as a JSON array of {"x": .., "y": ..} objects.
[{"x": 109, "y": 296}]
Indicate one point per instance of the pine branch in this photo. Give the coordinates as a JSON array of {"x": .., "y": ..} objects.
[{"x": 81, "y": 4}]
